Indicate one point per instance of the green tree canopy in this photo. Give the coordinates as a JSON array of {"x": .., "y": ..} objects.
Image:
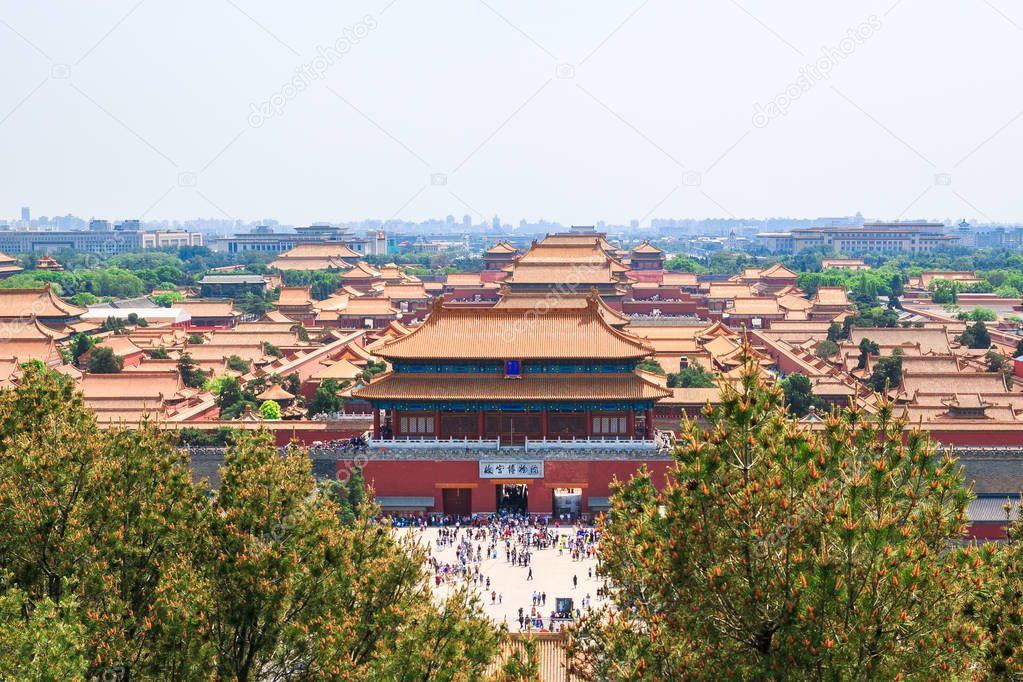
[
  {"x": 777, "y": 552},
  {"x": 103, "y": 360}
]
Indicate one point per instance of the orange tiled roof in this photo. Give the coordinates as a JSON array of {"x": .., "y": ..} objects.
[
  {"x": 207, "y": 308},
  {"x": 683, "y": 279},
  {"x": 530, "y": 386},
  {"x": 929, "y": 340},
  {"x": 341, "y": 369},
  {"x": 541, "y": 303},
  {"x": 960, "y": 382},
  {"x": 275, "y": 392},
  {"x": 568, "y": 274},
  {"x": 40, "y": 302},
  {"x": 754, "y": 306},
  {"x": 588, "y": 254},
  {"x": 369, "y": 306},
  {"x": 501, "y": 247},
  {"x": 729, "y": 290},
  {"x": 831, "y": 296},
  {"x": 331, "y": 250},
  {"x": 463, "y": 279},
  {"x": 646, "y": 247},
  {"x": 361, "y": 270},
  {"x": 509, "y": 333},
  {"x": 295, "y": 296},
  {"x": 573, "y": 239},
  {"x": 777, "y": 271}
]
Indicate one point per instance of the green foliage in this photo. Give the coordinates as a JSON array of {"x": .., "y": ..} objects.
[
  {"x": 270, "y": 410},
  {"x": 327, "y": 399},
  {"x": 825, "y": 349},
  {"x": 84, "y": 298},
  {"x": 835, "y": 332},
  {"x": 652, "y": 366},
  {"x": 300, "y": 332},
  {"x": 976, "y": 336},
  {"x": 80, "y": 344},
  {"x": 219, "y": 437},
  {"x": 166, "y": 298},
  {"x": 372, "y": 369},
  {"x": 254, "y": 304},
  {"x": 980, "y": 314},
  {"x": 944, "y": 291},
  {"x": 322, "y": 283},
  {"x": 886, "y": 374},
  {"x": 103, "y": 360},
  {"x": 159, "y": 354},
  {"x": 867, "y": 348},
  {"x": 693, "y": 376},
  {"x": 195, "y": 339},
  {"x": 191, "y": 375},
  {"x": 798, "y": 392},
  {"x": 683, "y": 264},
  {"x": 1000, "y": 607},
  {"x": 272, "y": 350},
  {"x": 114, "y": 324},
  {"x": 117, "y": 564},
  {"x": 778, "y": 552},
  {"x": 239, "y": 365}
]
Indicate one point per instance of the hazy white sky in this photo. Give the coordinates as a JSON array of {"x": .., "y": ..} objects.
[{"x": 570, "y": 111}]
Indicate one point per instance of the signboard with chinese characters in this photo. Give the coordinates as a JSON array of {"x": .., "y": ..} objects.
[{"x": 511, "y": 469}]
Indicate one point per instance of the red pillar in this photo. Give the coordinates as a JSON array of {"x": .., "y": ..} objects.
[
  {"x": 589, "y": 424},
  {"x": 436, "y": 424},
  {"x": 481, "y": 424},
  {"x": 649, "y": 422},
  {"x": 376, "y": 424},
  {"x": 630, "y": 424},
  {"x": 545, "y": 424}
]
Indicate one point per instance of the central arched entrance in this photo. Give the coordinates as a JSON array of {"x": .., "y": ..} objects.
[{"x": 512, "y": 498}]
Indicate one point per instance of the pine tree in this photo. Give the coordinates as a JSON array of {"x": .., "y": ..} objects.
[{"x": 776, "y": 552}]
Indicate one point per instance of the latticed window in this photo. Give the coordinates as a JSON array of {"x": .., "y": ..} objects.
[
  {"x": 609, "y": 425},
  {"x": 415, "y": 425}
]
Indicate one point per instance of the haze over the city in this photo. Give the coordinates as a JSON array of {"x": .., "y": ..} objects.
[{"x": 563, "y": 111}]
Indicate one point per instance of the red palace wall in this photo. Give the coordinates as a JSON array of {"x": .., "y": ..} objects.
[{"x": 422, "y": 478}]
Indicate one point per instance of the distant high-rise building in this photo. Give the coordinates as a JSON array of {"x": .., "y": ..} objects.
[
  {"x": 98, "y": 225},
  {"x": 26, "y": 213},
  {"x": 467, "y": 221},
  {"x": 129, "y": 226}
]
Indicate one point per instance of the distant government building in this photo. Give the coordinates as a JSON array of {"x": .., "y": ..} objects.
[
  {"x": 264, "y": 240},
  {"x": 124, "y": 237},
  {"x": 898, "y": 237}
]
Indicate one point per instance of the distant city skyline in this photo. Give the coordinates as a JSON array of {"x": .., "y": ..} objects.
[{"x": 393, "y": 109}]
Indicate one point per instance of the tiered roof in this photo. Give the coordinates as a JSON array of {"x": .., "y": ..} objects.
[
  {"x": 40, "y": 302},
  {"x": 647, "y": 248},
  {"x": 832, "y": 296},
  {"x": 9, "y": 265},
  {"x": 207, "y": 308},
  {"x": 361, "y": 271},
  {"x": 623, "y": 386},
  {"x": 580, "y": 333},
  {"x": 540, "y": 303},
  {"x": 501, "y": 248},
  {"x": 297, "y": 297},
  {"x": 332, "y": 256},
  {"x": 564, "y": 274}
]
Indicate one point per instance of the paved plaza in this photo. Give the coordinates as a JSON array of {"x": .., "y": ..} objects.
[{"x": 552, "y": 573}]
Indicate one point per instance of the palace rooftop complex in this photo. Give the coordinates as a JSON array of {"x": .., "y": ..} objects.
[{"x": 539, "y": 378}]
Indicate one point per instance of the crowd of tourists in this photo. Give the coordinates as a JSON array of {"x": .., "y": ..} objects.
[{"x": 462, "y": 546}]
